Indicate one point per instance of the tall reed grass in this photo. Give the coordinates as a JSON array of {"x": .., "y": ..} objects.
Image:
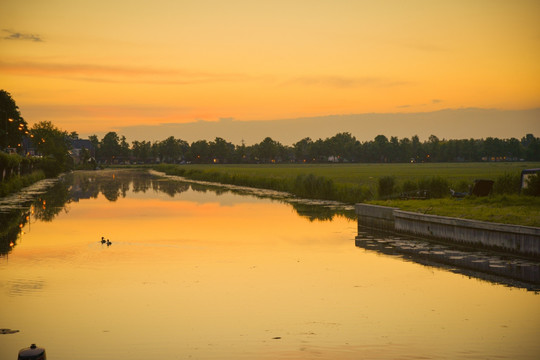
[
  {"x": 309, "y": 185},
  {"x": 351, "y": 183}
]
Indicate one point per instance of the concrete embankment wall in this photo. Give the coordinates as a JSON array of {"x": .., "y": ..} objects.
[
  {"x": 523, "y": 240},
  {"x": 375, "y": 216}
]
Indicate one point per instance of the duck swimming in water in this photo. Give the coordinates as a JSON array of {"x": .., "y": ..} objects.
[
  {"x": 103, "y": 240},
  {"x": 109, "y": 242}
]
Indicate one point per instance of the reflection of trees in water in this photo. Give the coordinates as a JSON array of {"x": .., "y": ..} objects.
[
  {"x": 204, "y": 189},
  {"x": 52, "y": 202},
  {"x": 44, "y": 207},
  {"x": 114, "y": 184},
  {"x": 10, "y": 227},
  {"x": 74, "y": 187},
  {"x": 171, "y": 188},
  {"x": 313, "y": 212},
  {"x": 321, "y": 213},
  {"x": 141, "y": 183},
  {"x": 110, "y": 189}
]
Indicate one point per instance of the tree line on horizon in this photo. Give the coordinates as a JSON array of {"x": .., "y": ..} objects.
[
  {"x": 340, "y": 148},
  {"x": 54, "y": 144}
]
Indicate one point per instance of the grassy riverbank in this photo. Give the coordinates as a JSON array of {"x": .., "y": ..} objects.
[
  {"x": 313, "y": 182},
  {"x": 16, "y": 183},
  {"x": 353, "y": 183},
  {"x": 506, "y": 209}
]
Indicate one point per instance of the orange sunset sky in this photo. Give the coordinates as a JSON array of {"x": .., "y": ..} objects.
[{"x": 98, "y": 66}]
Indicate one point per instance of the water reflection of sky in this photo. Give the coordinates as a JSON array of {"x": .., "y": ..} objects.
[{"x": 192, "y": 277}]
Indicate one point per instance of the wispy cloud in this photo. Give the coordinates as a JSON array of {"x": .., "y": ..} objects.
[
  {"x": 344, "y": 82},
  {"x": 117, "y": 74},
  {"x": 13, "y": 35}
]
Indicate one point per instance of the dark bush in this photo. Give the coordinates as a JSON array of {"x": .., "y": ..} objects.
[
  {"x": 507, "y": 183},
  {"x": 50, "y": 167},
  {"x": 386, "y": 186},
  {"x": 15, "y": 183},
  {"x": 463, "y": 186},
  {"x": 409, "y": 186},
  {"x": 439, "y": 187},
  {"x": 353, "y": 193},
  {"x": 9, "y": 165},
  {"x": 315, "y": 187}
]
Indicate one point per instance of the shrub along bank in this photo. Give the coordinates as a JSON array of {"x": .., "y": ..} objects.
[
  {"x": 17, "y": 171},
  {"x": 16, "y": 183}
]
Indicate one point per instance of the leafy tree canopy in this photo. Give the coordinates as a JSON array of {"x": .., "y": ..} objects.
[{"x": 13, "y": 126}]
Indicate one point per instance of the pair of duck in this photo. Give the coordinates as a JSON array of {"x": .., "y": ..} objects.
[{"x": 103, "y": 241}]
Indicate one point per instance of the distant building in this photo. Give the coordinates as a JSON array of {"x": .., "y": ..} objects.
[{"x": 77, "y": 149}]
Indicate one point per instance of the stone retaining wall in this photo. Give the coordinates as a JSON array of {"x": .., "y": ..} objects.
[{"x": 524, "y": 240}]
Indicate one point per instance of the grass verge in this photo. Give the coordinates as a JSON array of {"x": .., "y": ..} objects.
[
  {"x": 506, "y": 209},
  {"x": 16, "y": 183}
]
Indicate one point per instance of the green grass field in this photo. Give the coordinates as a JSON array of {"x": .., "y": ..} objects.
[
  {"x": 358, "y": 183},
  {"x": 368, "y": 174}
]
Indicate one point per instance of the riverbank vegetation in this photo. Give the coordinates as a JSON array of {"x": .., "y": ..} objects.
[
  {"x": 29, "y": 154},
  {"x": 17, "y": 172},
  {"x": 507, "y": 209},
  {"x": 385, "y": 184},
  {"x": 17, "y": 182},
  {"x": 404, "y": 177}
]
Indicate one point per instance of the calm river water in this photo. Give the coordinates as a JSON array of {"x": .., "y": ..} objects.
[{"x": 197, "y": 272}]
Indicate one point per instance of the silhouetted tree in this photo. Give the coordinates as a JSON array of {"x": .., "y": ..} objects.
[
  {"x": 12, "y": 125},
  {"x": 110, "y": 148},
  {"x": 125, "y": 151},
  {"x": 303, "y": 149},
  {"x": 141, "y": 150},
  {"x": 341, "y": 147},
  {"x": 221, "y": 151},
  {"x": 200, "y": 152},
  {"x": 52, "y": 143}
]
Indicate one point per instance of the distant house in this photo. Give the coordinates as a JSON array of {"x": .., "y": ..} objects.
[
  {"x": 28, "y": 146},
  {"x": 77, "y": 149}
]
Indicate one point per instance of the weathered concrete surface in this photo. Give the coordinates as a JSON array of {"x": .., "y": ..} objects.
[
  {"x": 516, "y": 239},
  {"x": 375, "y": 216}
]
